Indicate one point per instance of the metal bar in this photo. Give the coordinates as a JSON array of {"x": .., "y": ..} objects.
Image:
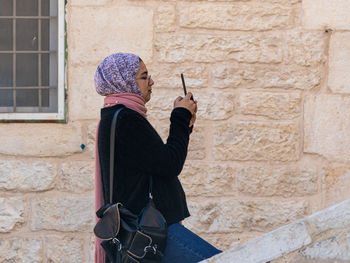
[
  {"x": 39, "y": 55},
  {"x": 26, "y": 52},
  {"x": 43, "y": 87},
  {"x": 14, "y": 56},
  {"x": 26, "y": 17}
]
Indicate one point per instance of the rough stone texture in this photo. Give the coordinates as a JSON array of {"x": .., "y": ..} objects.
[
  {"x": 64, "y": 249},
  {"x": 166, "y": 18},
  {"x": 62, "y": 213},
  {"x": 211, "y": 106},
  {"x": 91, "y": 256},
  {"x": 311, "y": 240},
  {"x": 256, "y": 141},
  {"x": 286, "y": 181},
  {"x": 337, "y": 185},
  {"x": 306, "y": 48},
  {"x": 339, "y": 62},
  {"x": 335, "y": 247},
  {"x": 91, "y": 137},
  {"x": 21, "y": 250},
  {"x": 272, "y": 105},
  {"x": 27, "y": 176},
  {"x": 321, "y": 14},
  {"x": 268, "y": 246},
  {"x": 82, "y": 90},
  {"x": 335, "y": 217},
  {"x": 89, "y": 2},
  {"x": 226, "y": 241},
  {"x": 200, "y": 179},
  {"x": 168, "y": 76},
  {"x": 76, "y": 176},
  {"x": 11, "y": 213},
  {"x": 327, "y": 125},
  {"x": 257, "y": 76},
  {"x": 106, "y": 32},
  {"x": 243, "y": 47},
  {"x": 53, "y": 139},
  {"x": 238, "y": 216},
  {"x": 237, "y": 16}
]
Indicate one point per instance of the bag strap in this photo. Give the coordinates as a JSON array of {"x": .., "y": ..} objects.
[
  {"x": 111, "y": 158},
  {"x": 111, "y": 153}
]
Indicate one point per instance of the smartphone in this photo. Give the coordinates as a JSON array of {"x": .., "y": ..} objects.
[{"x": 184, "y": 85}]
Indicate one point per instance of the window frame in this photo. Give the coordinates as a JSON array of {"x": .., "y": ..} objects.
[{"x": 61, "y": 77}]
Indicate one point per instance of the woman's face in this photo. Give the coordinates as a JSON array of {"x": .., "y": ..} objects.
[{"x": 144, "y": 82}]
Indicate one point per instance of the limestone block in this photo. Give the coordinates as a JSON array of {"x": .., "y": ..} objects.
[
  {"x": 34, "y": 139},
  {"x": 337, "y": 185},
  {"x": 266, "y": 247},
  {"x": 64, "y": 249},
  {"x": 286, "y": 181},
  {"x": 201, "y": 179},
  {"x": 240, "y": 46},
  {"x": 91, "y": 258},
  {"x": 27, "y": 176},
  {"x": 21, "y": 250},
  {"x": 196, "y": 148},
  {"x": 270, "y": 104},
  {"x": 91, "y": 138},
  {"x": 168, "y": 76},
  {"x": 236, "y": 16},
  {"x": 339, "y": 63},
  {"x": 267, "y": 76},
  {"x": 166, "y": 18},
  {"x": 237, "y": 216},
  {"x": 94, "y": 33},
  {"x": 89, "y": 2},
  {"x": 335, "y": 247},
  {"x": 84, "y": 101},
  {"x": 226, "y": 241},
  {"x": 337, "y": 216},
  {"x": 11, "y": 213},
  {"x": 306, "y": 48},
  {"x": 327, "y": 125},
  {"x": 321, "y": 14},
  {"x": 62, "y": 214},
  {"x": 76, "y": 176},
  {"x": 247, "y": 140},
  {"x": 211, "y": 106}
]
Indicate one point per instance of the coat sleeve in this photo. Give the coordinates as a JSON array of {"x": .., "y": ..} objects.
[{"x": 145, "y": 149}]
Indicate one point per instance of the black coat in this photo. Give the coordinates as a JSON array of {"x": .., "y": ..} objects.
[{"x": 141, "y": 153}]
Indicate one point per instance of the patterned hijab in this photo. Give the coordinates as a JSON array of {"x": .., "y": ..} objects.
[{"x": 116, "y": 74}]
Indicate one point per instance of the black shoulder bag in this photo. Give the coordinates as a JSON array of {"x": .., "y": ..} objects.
[{"x": 127, "y": 237}]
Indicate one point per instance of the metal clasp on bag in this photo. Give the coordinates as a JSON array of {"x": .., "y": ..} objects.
[
  {"x": 117, "y": 242},
  {"x": 152, "y": 249}
]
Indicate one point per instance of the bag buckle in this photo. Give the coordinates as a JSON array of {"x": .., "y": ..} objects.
[
  {"x": 152, "y": 249},
  {"x": 117, "y": 242}
]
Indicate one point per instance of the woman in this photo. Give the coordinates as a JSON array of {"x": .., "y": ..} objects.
[{"x": 140, "y": 152}]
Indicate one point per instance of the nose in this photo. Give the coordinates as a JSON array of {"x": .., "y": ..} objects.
[{"x": 150, "y": 81}]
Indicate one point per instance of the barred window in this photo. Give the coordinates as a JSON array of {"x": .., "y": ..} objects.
[{"x": 31, "y": 59}]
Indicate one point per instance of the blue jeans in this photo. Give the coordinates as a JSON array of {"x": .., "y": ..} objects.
[{"x": 183, "y": 246}]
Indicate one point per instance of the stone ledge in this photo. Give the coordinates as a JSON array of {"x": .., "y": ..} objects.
[{"x": 291, "y": 237}]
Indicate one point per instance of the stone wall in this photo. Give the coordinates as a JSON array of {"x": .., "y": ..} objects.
[
  {"x": 323, "y": 237},
  {"x": 270, "y": 146}
]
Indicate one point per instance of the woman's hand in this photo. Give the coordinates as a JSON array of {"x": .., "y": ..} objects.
[
  {"x": 189, "y": 104},
  {"x": 186, "y": 103}
]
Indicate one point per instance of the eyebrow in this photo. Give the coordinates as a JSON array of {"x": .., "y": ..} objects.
[{"x": 146, "y": 72}]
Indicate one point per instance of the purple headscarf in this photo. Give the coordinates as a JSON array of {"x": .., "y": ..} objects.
[{"x": 117, "y": 74}]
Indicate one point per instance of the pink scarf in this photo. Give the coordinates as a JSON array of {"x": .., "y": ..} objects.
[{"x": 131, "y": 101}]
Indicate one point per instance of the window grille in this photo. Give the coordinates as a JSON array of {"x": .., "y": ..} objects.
[{"x": 31, "y": 59}]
